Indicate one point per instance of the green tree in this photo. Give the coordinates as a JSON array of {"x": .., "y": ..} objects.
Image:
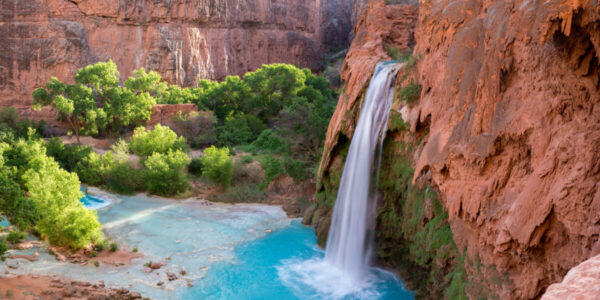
[
  {"x": 96, "y": 103},
  {"x": 161, "y": 139},
  {"x": 64, "y": 220},
  {"x": 74, "y": 104},
  {"x": 218, "y": 166},
  {"x": 165, "y": 173},
  {"x": 273, "y": 86}
]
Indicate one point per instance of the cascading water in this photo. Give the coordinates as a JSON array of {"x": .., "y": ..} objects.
[
  {"x": 344, "y": 272},
  {"x": 348, "y": 246}
]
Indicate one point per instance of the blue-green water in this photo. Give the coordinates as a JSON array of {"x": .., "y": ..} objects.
[
  {"x": 262, "y": 270},
  {"x": 94, "y": 202},
  {"x": 241, "y": 252}
]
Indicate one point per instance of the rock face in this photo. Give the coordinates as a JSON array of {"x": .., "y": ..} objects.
[
  {"x": 582, "y": 282},
  {"x": 164, "y": 113},
  {"x": 184, "y": 40},
  {"x": 510, "y": 105}
]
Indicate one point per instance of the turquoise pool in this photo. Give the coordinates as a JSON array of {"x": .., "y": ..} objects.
[
  {"x": 94, "y": 202},
  {"x": 246, "y": 251}
]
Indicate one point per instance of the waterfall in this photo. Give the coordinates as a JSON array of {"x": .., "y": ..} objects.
[
  {"x": 349, "y": 244},
  {"x": 344, "y": 272}
]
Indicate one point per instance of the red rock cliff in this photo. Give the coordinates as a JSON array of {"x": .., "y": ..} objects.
[
  {"x": 183, "y": 40},
  {"x": 511, "y": 99}
]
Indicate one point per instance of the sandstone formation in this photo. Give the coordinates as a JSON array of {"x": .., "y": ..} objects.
[
  {"x": 510, "y": 104},
  {"x": 164, "y": 113},
  {"x": 182, "y": 40},
  {"x": 581, "y": 282},
  {"x": 376, "y": 27}
]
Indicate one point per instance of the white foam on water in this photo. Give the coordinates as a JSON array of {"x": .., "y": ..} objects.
[{"x": 345, "y": 271}]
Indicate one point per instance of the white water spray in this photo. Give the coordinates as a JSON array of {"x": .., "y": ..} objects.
[
  {"x": 349, "y": 244},
  {"x": 344, "y": 272}
]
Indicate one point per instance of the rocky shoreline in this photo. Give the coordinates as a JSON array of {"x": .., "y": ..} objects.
[{"x": 46, "y": 287}]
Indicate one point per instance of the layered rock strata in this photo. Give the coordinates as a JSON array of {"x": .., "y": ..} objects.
[{"x": 182, "y": 40}]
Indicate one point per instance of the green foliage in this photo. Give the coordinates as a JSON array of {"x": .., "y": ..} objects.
[
  {"x": 218, "y": 166},
  {"x": 3, "y": 247},
  {"x": 296, "y": 102},
  {"x": 396, "y": 123},
  {"x": 161, "y": 139},
  {"x": 113, "y": 247},
  {"x": 272, "y": 167},
  {"x": 63, "y": 220},
  {"x": 391, "y": 51},
  {"x": 410, "y": 92},
  {"x": 96, "y": 103},
  {"x": 135, "y": 249},
  {"x": 99, "y": 247},
  {"x": 239, "y": 129},
  {"x": 246, "y": 159},
  {"x": 176, "y": 95},
  {"x": 93, "y": 169},
  {"x": 196, "y": 166},
  {"x": 68, "y": 156},
  {"x": 9, "y": 116},
  {"x": 297, "y": 169},
  {"x": 14, "y": 237},
  {"x": 241, "y": 193},
  {"x": 165, "y": 173},
  {"x": 122, "y": 178},
  {"x": 197, "y": 128},
  {"x": 268, "y": 142}
]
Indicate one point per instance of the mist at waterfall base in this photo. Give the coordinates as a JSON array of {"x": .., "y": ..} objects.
[{"x": 344, "y": 272}]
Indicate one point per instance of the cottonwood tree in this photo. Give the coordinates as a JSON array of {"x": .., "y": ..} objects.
[{"x": 96, "y": 103}]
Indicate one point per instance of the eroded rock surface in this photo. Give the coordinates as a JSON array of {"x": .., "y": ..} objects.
[
  {"x": 183, "y": 40},
  {"x": 581, "y": 282},
  {"x": 510, "y": 105}
]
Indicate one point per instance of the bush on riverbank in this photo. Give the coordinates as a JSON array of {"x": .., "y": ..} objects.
[
  {"x": 218, "y": 166},
  {"x": 38, "y": 194},
  {"x": 161, "y": 140},
  {"x": 165, "y": 173}
]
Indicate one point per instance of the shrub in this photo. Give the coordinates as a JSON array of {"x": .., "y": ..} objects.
[
  {"x": 218, "y": 166},
  {"x": 269, "y": 142},
  {"x": 247, "y": 173},
  {"x": 14, "y": 237},
  {"x": 410, "y": 92},
  {"x": 296, "y": 169},
  {"x": 93, "y": 169},
  {"x": 9, "y": 116},
  {"x": 113, "y": 247},
  {"x": 123, "y": 179},
  {"x": 161, "y": 139},
  {"x": 196, "y": 166},
  {"x": 165, "y": 173},
  {"x": 3, "y": 247},
  {"x": 64, "y": 220},
  {"x": 272, "y": 167},
  {"x": 243, "y": 193},
  {"x": 246, "y": 159},
  {"x": 99, "y": 246},
  {"x": 197, "y": 128},
  {"x": 236, "y": 130},
  {"x": 392, "y": 51},
  {"x": 135, "y": 249},
  {"x": 67, "y": 156}
]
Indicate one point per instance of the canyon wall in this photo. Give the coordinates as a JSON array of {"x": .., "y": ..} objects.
[
  {"x": 505, "y": 131},
  {"x": 181, "y": 39}
]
